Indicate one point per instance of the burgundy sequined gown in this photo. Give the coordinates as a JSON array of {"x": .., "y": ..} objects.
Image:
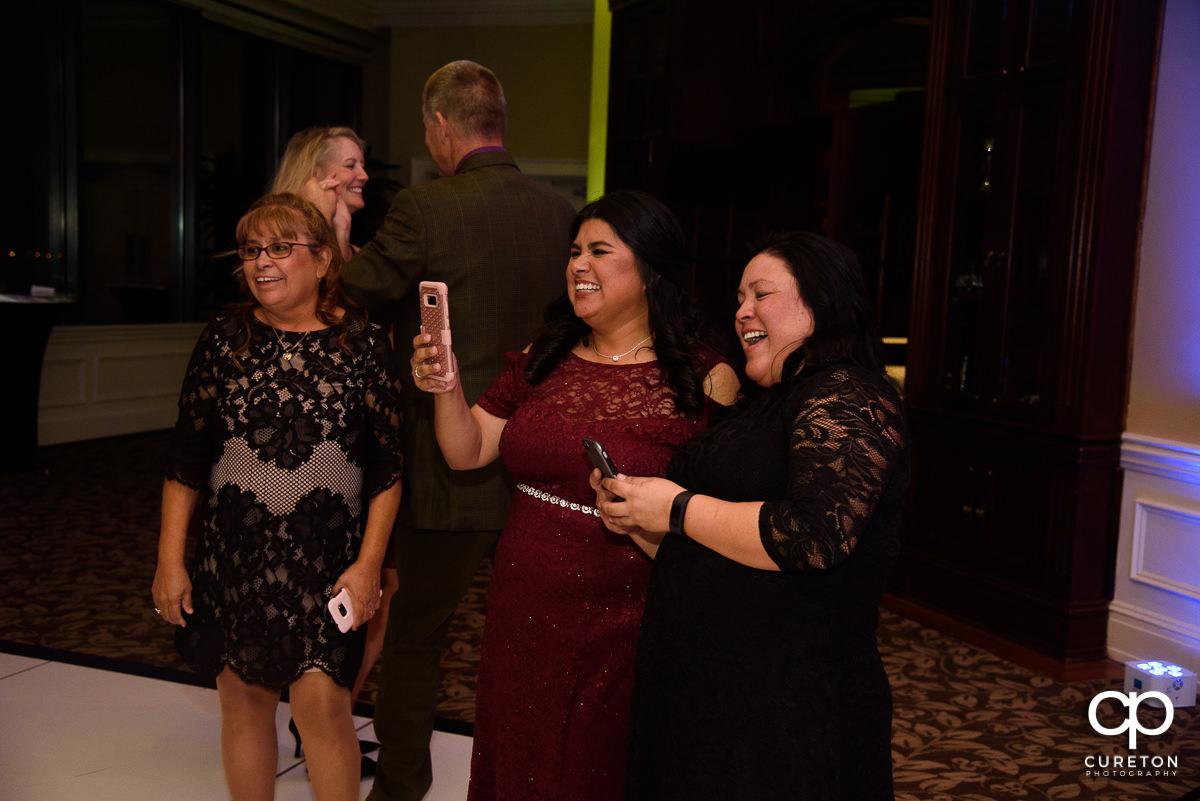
[{"x": 565, "y": 602}]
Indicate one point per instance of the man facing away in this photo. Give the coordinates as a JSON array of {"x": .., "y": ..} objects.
[{"x": 499, "y": 240}]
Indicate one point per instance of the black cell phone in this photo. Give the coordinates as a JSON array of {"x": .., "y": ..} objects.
[{"x": 600, "y": 458}]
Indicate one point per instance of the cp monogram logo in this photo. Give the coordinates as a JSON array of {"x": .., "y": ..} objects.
[{"x": 1132, "y": 723}]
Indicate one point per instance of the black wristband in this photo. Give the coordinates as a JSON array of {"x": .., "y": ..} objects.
[{"x": 678, "y": 510}]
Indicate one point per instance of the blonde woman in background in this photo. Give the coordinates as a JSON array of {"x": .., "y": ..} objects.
[{"x": 325, "y": 166}]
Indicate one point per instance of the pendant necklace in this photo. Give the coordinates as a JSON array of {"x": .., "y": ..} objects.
[
  {"x": 290, "y": 350},
  {"x": 620, "y": 356}
]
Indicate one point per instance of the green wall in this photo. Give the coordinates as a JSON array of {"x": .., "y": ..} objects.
[{"x": 546, "y": 72}]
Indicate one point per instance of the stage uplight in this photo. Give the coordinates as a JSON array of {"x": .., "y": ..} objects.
[{"x": 1173, "y": 681}]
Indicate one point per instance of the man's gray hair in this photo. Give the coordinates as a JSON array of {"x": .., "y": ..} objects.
[{"x": 469, "y": 97}]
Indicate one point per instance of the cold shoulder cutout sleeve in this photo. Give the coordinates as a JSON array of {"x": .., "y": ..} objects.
[{"x": 509, "y": 389}]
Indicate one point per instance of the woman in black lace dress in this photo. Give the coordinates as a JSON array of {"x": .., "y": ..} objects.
[
  {"x": 288, "y": 435},
  {"x": 758, "y": 674}
]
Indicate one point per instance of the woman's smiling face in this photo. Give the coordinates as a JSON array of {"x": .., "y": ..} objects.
[
  {"x": 772, "y": 319},
  {"x": 288, "y": 287},
  {"x": 345, "y": 164},
  {"x": 603, "y": 280}
]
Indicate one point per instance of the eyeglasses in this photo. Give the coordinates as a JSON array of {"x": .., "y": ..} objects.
[{"x": 275, "y": 250}]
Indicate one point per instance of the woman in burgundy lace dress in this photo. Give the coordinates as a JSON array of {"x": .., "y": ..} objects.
[
  {"x": 618, "y": 361},
  {"x": 758, "y": 674}
]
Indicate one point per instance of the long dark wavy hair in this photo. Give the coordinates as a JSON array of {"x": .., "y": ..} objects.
[
  {"x": 831, "y": 283},
  {"x": 291, "y": 217},
  {"x": 653, "y": 233}
]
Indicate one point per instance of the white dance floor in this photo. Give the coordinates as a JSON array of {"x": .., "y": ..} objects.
[{"x": 70, "y": 733}]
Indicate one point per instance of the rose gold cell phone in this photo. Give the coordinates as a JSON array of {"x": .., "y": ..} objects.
[{"x": 435, "y": 321}]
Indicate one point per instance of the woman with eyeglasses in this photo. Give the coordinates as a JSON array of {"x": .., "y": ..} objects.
[{"x": 289, "y": 439}]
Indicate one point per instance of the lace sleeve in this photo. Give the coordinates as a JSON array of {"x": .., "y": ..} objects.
[
  {"x": 846, "y": 440},
  {"x": 189, "y": 455},
  {"x": 385, "y": 463}
]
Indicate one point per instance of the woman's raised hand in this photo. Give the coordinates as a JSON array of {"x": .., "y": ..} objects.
[
  {"x": 326, "y": 195},
  {"x": 428, "y": 359}
]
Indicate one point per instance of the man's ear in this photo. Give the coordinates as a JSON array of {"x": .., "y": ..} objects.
[{"x": 443, "y": 126}]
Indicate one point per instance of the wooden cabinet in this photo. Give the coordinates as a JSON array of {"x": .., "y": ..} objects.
[
  {"x": 1004, "y": 190},
  {"x": 1034, "y": 154},
  {"x": 1009, "y": 530},
  {"x": 1032, "y": 149},
  {"x": 770, "y": 115}
]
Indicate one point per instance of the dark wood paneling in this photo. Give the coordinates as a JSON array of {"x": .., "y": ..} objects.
[{"x": 738, "y": 117}]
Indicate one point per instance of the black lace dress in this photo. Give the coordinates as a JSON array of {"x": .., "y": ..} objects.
[
  {"x": 752, "y": 684},
  {"x": 288, "y": 453}
]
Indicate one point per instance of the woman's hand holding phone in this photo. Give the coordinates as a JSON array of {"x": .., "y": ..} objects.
[
  {"x": 427, "y": 361},
  {"x": 646, "y": 505},
  {"x": 433, "y": 357},
  {"x": 605, "y": 497}
]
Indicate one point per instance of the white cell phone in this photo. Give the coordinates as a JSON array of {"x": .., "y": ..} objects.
[
  {"x": 434, "y": 297},
  {"x": 341, "y": 608}
]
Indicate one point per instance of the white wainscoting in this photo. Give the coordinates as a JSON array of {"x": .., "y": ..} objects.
[
  {"x": 1155, "y": 612},
  {"x": 109, "y": 380}
]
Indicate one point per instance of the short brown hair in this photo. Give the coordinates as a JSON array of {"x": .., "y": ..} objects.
[{"x": 287, "y": 215}]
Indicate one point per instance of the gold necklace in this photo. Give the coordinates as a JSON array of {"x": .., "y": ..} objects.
[
  {"x": 289, "y": 351},
  {"x": 623, "y": 355}
]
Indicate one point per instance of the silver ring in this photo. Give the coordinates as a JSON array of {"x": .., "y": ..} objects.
[{"x": 415, "y": 373}]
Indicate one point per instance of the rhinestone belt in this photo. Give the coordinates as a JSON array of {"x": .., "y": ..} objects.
[{"x": 548, "y": 498}]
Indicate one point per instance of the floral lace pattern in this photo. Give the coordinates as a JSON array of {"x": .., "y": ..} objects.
[
  {"x": 288, "y": 450},
  {"x": 763, "y": 684},
  {"x": 846, "y": 439},
  {"x": 566, "y": 597}
]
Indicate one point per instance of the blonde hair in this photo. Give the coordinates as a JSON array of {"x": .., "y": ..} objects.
[{"x": 306, "y": 151}]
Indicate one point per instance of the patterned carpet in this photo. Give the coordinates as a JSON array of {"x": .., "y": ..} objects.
[{"x": 77, "y": 550}]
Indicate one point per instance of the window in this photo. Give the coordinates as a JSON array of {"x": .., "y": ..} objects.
[{"x": 151, "y": 129}]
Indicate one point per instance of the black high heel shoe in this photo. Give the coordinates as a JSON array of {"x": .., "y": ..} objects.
[
  {"x": 365, "y": 746},
  {"x": 295, "y": 733}
]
